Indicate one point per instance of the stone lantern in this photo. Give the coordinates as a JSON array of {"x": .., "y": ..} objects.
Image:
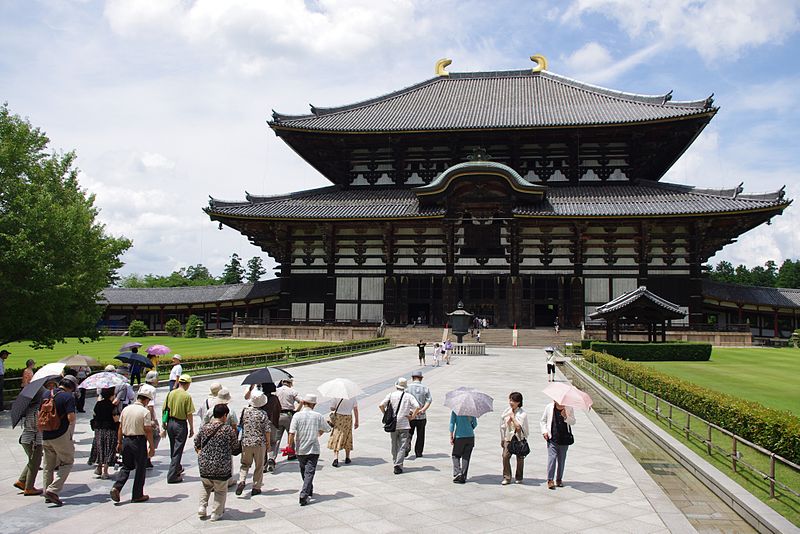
[{"x": 460, "y": 321}]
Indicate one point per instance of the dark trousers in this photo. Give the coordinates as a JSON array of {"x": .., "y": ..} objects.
[
  {"x": 134, "y": 457},
  {"x": 308, "y": 467},
  {"x": 178, "y": 432},
  {"x": 417, "y": 425},
  {"x": 136, "y": 376},
  {"x": 2, "y": 393},
  {"x": 462, "y": 452},
  {"x": 80, "y": 402}
]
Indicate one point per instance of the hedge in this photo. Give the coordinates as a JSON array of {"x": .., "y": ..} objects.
[
  {"x": 655, "y": 352},
  {"x": 775, "y": 430}
]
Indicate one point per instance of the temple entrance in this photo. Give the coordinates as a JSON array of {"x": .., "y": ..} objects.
[{"x": 419, "y": 313}]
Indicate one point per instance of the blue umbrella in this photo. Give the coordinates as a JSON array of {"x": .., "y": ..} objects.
[{"x": 130, "y": 357}]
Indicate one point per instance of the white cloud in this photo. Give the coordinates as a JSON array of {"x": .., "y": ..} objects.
[
  {"x": 777, "y": 96},
  {"x": 594, "y": 63},
  {"x": 715, "y": 29}
]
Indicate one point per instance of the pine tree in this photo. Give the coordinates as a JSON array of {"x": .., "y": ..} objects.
[
  {"x": 233, "y": 272},
  {"x": 255, "y": 269}
]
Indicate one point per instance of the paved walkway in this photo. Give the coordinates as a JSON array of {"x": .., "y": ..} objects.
[{"x": 606, "y": 491}]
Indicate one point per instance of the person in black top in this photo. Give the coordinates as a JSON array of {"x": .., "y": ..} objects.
[
  {"x": 105, "y": 422},
  {"x": 421, "y": 347},
  {"x": 58, "y": 447},
  {"x": 555, "y": 428}
]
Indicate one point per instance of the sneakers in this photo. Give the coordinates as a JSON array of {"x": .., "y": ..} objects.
[
  {"x": 457, "y": 479},
  {"x": 551, "y": 485},
  {"x": 53, "y": 498},
  {"x": 239, "y": 488},
  {"x": 115, "y": 494},
  {"x": 20, "y": 485},
  {"x": 215, "y": 517},
  {"x": 398, "y": 470},
  {"x": 518, "y": 481},
  {"x": 255, "y": 491},
  {"x": 143, "y": 498},
  {"x": 201, "y": 512},
  {"x": 271, "y": 464},
  {"x": 303, "y": 501},
  {"x": 506, "y": 482}
]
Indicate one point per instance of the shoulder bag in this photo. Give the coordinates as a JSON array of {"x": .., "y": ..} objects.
[
  {"x": 390, "y": 417},
  {"x": 332, "y": 416}
]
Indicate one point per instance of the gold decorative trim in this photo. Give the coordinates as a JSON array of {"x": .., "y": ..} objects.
[
  {"x": 541, "y": 62},
  {"x": 441, "y": 65}
]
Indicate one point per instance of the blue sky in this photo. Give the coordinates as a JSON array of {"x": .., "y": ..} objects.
[{"x": 166, "y": 101}]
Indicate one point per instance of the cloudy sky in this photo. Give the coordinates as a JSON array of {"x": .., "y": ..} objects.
[{"x": 166, "y": 101}]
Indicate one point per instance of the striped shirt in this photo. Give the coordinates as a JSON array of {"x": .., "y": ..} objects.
[
  {"x": 306, "y": 426},
  {"x": 30, "y": 430}
]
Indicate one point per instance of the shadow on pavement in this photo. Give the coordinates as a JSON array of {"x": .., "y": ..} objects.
[
  {"x": 362, "y": 461},
  {"x": 236, "y": 515},
  {"x": 591, "y": 487},
  {"x": 338, "y": 495}
]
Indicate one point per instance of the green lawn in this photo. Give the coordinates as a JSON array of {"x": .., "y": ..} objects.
[
  {"x": 765, "y": 375},
  {"x": 106, "y": 348}
]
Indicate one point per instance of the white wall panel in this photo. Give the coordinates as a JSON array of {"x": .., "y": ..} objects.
[
  {"x": 372, "y": 289},
  {"x": 346, "y": 288},
  {"x": 298, "y": 311},
  {"x": 372, "y": 313},
  {"x": 346, "y": 311},
  {"x": 623, "y": 285},
  {"x": 596, "y": 289},
  {"x": 316, "y": 311}
]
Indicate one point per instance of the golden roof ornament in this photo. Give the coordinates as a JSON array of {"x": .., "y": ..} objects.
[
  {"x": 541, "y": 62},
  {"x": 441, "y": 65}
]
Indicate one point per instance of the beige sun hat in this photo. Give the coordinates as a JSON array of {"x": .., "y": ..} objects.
[
  {"x": 223, "y": 396},
  {"x": 310, "y": 398},
  {"x": 401, "y": 383},
  {"x": 215, "y": 388},
  {"x": 258, "y": 400}
]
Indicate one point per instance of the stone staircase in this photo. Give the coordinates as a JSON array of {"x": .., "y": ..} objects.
[{"x": 497, "y": 337}]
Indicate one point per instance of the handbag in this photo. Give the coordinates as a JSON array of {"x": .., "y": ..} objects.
[
  {"x": 332, "y": 416},
  {"x": 519, "y": 447},
  {"x": 390, "y": 417},
  {"x": 567, "y": 439},
  {"x": 165, "y": 411}
]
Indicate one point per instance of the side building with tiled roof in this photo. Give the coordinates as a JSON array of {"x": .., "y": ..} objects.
[
  {"x": 529, "y": 196},
  {"x": 219, "y": 306}
]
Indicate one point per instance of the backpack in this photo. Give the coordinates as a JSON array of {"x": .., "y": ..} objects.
[
  {"x": 390, "y": 417},
  {"x": 48, "y": 418}
]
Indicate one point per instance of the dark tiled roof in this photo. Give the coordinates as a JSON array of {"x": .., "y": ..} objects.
[
  {"x": 775, "y": 297},
  {"x": 487, "y": 100},
  {"x": 634, "y": 297},
  {"x": 115, "y": 296},
  {"x": 585, "y": 200}
]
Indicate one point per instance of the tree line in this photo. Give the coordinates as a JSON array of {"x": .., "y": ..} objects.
[
  {"x": 199, "y": 275},
  {"x": 768, "y": 275}
]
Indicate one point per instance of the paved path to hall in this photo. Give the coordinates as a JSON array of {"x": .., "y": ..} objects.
[{"x": 605, "y": 492}]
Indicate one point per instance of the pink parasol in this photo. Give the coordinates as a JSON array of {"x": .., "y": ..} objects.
[
  {"x": 158, "y": 350},
  {"x": 568, "y": 395}
]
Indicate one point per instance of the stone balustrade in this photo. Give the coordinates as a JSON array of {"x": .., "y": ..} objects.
[{"x": 469, "y": 349}]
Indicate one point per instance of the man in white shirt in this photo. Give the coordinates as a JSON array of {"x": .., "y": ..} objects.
[
  {"x": 405, "y": 407},
  {"x": 149, "y": 387},
  {"x": 176, "y": 372},
  {"x": 306, "y": 428}
]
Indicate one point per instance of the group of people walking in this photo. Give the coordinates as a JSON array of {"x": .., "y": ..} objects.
[{"x": 127, "y": 431}]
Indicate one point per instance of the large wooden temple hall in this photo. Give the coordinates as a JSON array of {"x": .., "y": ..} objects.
[{"x": 529, "y": 196}]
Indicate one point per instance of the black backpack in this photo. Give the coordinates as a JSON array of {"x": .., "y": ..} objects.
[{"x": 390, "y": 417}]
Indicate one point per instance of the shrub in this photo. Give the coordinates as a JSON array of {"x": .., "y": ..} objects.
[
  {"x": 194, "y": 327},
  {"x": 174, "y": 328},
  {"x": 655, "y": 352},
  {"x": 586, "y": 344},
  {"x": 137, "y": 329},
  {"x": 775, "y": 430}
]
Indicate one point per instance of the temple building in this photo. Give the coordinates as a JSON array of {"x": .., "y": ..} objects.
[{"x": 531, "y": 197}]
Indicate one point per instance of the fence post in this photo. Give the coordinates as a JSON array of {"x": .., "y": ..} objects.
[
  {"x": 688, "y": 424},
  {"x": 734, "y": 454},
  {"x": 656, "y": 412},
  {"x": 708, "y": 443},
  {"x": 772, "y": 476},
  {"x": 670, "y": 416}
]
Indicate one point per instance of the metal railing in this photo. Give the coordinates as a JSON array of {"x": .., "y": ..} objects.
[{"x": 705, "y": 433}]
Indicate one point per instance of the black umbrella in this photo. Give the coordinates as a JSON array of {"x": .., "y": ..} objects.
[
  {"x": 129, "y": 346},
  {"x": 130, "y": 357},
  {"x": 26, "y": 396},
  {"x": 266, "y": 375}
]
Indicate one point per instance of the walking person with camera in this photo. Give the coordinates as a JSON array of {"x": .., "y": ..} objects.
[
  {"x": 398, "y": 410},
  {"x": 514, "y": 437}
]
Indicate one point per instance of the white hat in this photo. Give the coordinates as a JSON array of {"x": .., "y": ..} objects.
[
  {"x": 310, "y": 398},
  {"x": 176, "y": 357},
  {"x": 145, "y": 393},
  {"x": 110, "y": 368},
  {"x": 214, "y": 388},
  {"x": 258, "y": 400},
  {"x": 401, "y": 383},
  {"x": 223, "y": 396},
  {"x": 151, "y": 376}
]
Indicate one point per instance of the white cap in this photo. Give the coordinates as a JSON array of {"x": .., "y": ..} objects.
[
  {"x": 401, "y": 383},
  {"x": 145, "y": 393},
  {"x": 223, "y": 396},
  {"x": 310, "y": 398},
  {"x": 258, "y": 400},
  {"x": 151, "y": 376},
  {"x": 177, "y": 357}
]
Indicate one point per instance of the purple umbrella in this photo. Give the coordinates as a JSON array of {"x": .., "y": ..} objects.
[
  {"x": 128, "y": 346},
  {"x": 158, "y": 350}
]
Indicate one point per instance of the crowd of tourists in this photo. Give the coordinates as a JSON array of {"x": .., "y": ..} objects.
[{"x": 127, "y": 431}]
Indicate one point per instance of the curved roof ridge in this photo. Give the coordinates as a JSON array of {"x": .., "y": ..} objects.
[{"x": 734, "y": 192}]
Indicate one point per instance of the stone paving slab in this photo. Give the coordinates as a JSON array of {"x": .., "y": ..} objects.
[{"x": 601, "y": 493}]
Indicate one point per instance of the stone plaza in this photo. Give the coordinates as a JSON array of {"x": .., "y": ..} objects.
[{"x": 605, "y": 489}]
